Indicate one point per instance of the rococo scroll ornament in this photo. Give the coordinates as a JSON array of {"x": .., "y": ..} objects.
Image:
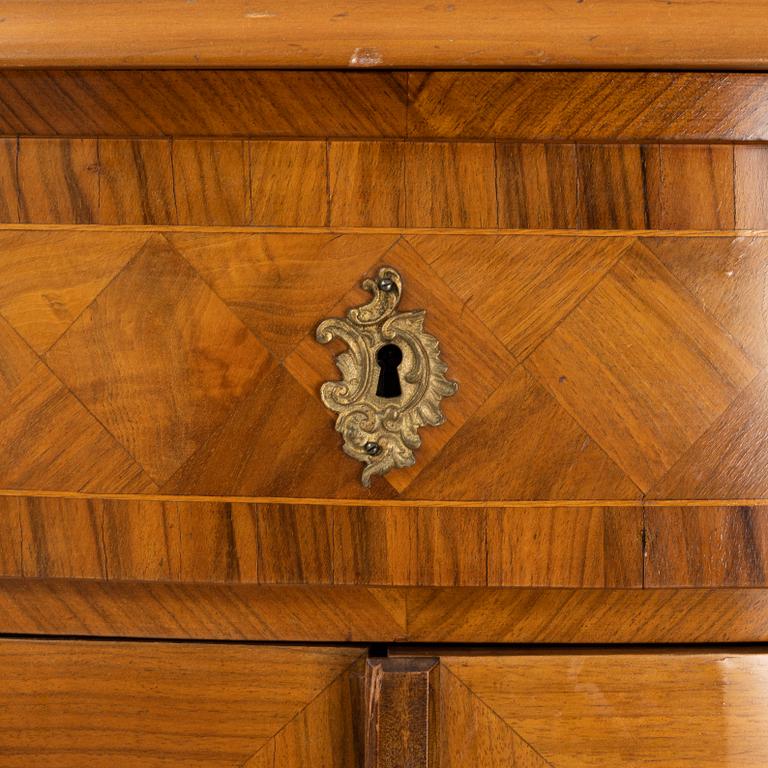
[{"x": 392, "y": 378}]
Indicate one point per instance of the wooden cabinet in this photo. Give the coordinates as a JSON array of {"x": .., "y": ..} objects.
[
  {"x": 591, "y": 251},
  {"x": 73, "y": 703}
]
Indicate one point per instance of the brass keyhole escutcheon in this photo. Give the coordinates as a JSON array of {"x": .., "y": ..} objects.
[
  {"x": 389, "y": 358},
  {"x": 392, "y": 378}
]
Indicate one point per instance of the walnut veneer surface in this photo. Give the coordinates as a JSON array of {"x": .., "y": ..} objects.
[{"x": 591, "y": 252}]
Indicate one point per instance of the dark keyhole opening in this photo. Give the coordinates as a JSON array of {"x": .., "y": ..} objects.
[{"x": 389, "y": 358}]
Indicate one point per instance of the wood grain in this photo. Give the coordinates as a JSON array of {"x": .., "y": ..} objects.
[
  {"x": 60, "y": 539},
  {"x": 339, "y": 613},
  {"x": 471, "y": 733},
  {"x": 521, "y": 288},
  {"x": 451, "y": 546},
  {"x": 216, "y": 330},
  {"x": 210, "y": 182},
  {"x": 727, "y": 276},
  {"x": 188, "y": 611},
  {"x": 607, "y": 616},
  {"x": 208, "y": 542},
  {"x": 136, "y": 184},
  {"x": 327, "y": 732},
  {"x": 401, "y": 696},
  {"x": 217, "y": 542},
  {"x": 289, "y": 183},
  {"x": 729, "y": 460},
  {"x": 157, "y": 103},
  {"x": 47, "y": 279},
  {"x": 498, "y": 438},
  {"x": 367, "y": 183},
  {"x": 597, "y": 696},
  {"x": 49, "y": 440},
  {"x": 278, "y": 285},
  {"x": 639, "y": 319},
  {"x": 450, "y": 185},
  {"x": 750, "y": 185},
  {"x": 204, "y": 358},
  {"x": 11, "y": 545},
  {"x": 73, "y": 702},
  {"x": 696, "y": 187},
  {"x": 611, "y": 186},
  {"x": 537, "y": 186},
  {"x": 565, "y": 547},
  {"x": 58, "y": 180},
  {"x": 706, "y": 546},
  {"x": 9, "y": 182},
  {"x": 375, "y": 545},
  {"x": 363, "y": 184},
  {"x": 295, "y": 545},
  {"x": 17, "y": 358},
  {"x": 277, "y": 459},
  {"x": 559, "y": 35},
  {"x": 480, "y": 362},
  {"x": 587, "y": 106}
]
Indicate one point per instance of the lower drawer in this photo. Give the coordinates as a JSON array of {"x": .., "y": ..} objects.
[
  {"x": 84, "y": 704},
  {"x": 94, "y": 703}
]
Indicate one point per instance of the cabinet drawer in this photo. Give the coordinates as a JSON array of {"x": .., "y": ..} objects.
[
  {"x": 185, "y": 364},
  {"x": 74, "y": 703},
  {"x": 88, "y": 703}
]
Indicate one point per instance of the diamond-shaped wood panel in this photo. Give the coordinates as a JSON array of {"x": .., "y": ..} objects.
[
  {"x": 642, "y": 367},
  {"x": 159, "y": 359}
]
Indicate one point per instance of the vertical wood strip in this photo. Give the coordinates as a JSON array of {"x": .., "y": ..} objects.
[
  {"x": 696, "y": 187},
  {"x": 295, "y": 544},
  {"x": 450, "y": 185},
  {"x": 58, "y": 181},
  {"x": 537, "y": 186},
  {"x": 136, "y": 182},
  {"x": 579, "y": 547},
  {"x": 210, "y": 180},
  {"x": 751, "y": 180},
  {"x": 451, "y": 546},
  {"x": 367, "y": 183},
  {"x": 707, "y": 547},
  {"x": 402, "y": 716},
  {"x": 62, "y": 538},
  {"x": 11, "y": 554},
  {"x": 611, "y": 186},
  {"x": 9, "y": 182},
  {"x": 218, "y": 542},
  {"x": 374, "y": 545},
  {"x": 289, "y": 183},
  {"x": 141, "y": 540}
]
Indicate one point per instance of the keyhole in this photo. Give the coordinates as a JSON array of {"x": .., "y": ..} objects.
[{"x": 389, "y": 358}]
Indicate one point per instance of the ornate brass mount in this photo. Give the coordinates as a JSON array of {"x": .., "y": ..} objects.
[{"x": 392, "y": 378}]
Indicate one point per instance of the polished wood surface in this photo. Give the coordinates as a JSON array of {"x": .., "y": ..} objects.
[
  {"x": 401, "y": 710},
  {"x": 396, "y": 184},
  {"x": 196, "y": 541},
  {"x": 354, "y": 613},
  {"x": 306, "y": 33},
  {"x": 574, "y": 710},
  {"x": 590, "y": 248},
  {"x": 75, "y": 703},
  {"x": 162, "y": 103},
  {"x": 523, "y": 106},
  {"x": 641, "y": 371},
  {"x": 706, "y": 546}
]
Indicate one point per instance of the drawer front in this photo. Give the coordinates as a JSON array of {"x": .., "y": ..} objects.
[
  {"x": 185, "y": 364},
  {"x": 73, "y": 703},
  {"x": 76, "y": 703}
]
